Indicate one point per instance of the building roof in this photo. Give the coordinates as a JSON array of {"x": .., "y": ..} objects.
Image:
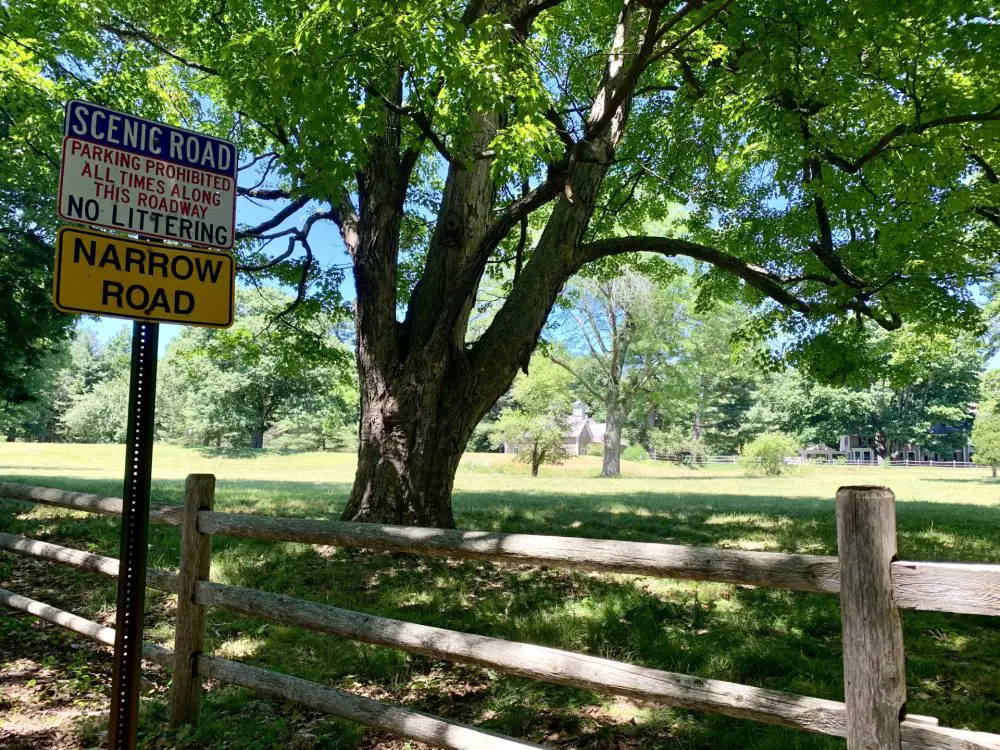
[
  {"x": 579, "y": 420},
  {"x": 575, "y": 425}
]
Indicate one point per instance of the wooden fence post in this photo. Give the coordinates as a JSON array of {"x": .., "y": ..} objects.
[
  {"x": 189, "y": 631},
  {"x": 874, "y": 670}
]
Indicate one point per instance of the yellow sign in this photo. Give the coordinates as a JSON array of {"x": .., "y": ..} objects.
[{"x": 102, "y": 274}]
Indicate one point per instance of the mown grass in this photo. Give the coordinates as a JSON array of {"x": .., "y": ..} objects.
[{"x": 776, "y": 639}]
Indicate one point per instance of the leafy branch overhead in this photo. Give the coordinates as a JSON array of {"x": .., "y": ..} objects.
[
  {"x": 816, "y": 158},
  {"x": 836, "y": 163}
]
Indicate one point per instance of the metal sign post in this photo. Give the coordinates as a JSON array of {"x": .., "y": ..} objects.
[{"x": 134, "y": 534}]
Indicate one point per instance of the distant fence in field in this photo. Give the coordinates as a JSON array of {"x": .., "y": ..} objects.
[
  {"x": 820, "y": 461},
  {"x": 871, "y": 583}
]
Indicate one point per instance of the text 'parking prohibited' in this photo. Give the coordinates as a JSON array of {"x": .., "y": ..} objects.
[{"x": 138, "y": 176}]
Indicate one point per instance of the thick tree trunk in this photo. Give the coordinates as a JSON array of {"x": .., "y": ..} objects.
[
  {"x": 423, "y": 390},
  {"x": 257, "y": 438},
  {"x": 994, "y": 471},
  {"x": 414, "y": 429},
  {"x": 612, "y": 466},
  {"x": 11, "y": 435}
]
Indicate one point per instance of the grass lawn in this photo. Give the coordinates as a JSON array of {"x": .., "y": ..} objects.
[{"x": 776, "y": 639}]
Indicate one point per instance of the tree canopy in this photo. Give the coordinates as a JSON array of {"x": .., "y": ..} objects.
[{"x": 838, "y": 163}]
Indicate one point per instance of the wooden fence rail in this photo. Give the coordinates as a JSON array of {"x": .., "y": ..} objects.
[
  {"x": 871, "y": 584},
  {"x": 940, "y": 587},
  {"x": 408, "y": 724}
]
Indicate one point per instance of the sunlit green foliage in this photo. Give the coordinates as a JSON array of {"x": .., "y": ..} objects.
[{"x": 766, "y": 454}]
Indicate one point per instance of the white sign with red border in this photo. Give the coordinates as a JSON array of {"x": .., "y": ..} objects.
[{"x": 143, "y": 177}]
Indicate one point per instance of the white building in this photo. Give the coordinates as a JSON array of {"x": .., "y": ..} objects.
[{"x": 581, "y": 432}]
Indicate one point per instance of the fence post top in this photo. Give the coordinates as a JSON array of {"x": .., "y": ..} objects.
[{"x": 865, "y": 489}]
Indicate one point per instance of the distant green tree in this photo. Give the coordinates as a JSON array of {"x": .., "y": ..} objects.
[
  {"x": 536, "y": 421},
  {"x": 241, "y": 381},
  {"x": 97, "y": 389},
  {"x": 325, "y": 418},
  {"x": 35, "y": 417},
  {"x": 766, "y": 454},
  {"x": 628, "y": 332},
  {"x": 989, "y": 390},
  {"x": 986, "y": 440},
  {"x": 712, "y": 380},
  {"x": 911, "y": 381}
]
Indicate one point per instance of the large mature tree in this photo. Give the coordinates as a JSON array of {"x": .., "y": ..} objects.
[
  {"x": 986, "y": 439},
  {"x": 840, "y": 160},
  {"x": 31, "y": 329},
  {"x": 701, "y": 406},
  {"x": 910, "y": 380}
]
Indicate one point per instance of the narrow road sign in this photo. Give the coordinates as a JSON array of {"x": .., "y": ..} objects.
[{"x": 102, "y": 274}]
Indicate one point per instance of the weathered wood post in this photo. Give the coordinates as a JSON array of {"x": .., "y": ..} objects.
[
  {"x": 874, "y": 671},
  {"x": 189, "y": 634}
]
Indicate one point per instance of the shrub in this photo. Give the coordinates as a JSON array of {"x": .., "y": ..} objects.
[
  {"x": 766, "y": 454},
  {"x": 595, "y": 449},
  {"x": 635, "y": 453}
]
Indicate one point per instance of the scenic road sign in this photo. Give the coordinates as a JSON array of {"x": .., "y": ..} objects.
[
  {"x": 144, "y": 177},
  {"x": 102, "y": 274}
]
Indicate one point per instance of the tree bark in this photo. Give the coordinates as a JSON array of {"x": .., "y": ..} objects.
[
  {"x": 12, "y": 435},
  {"x": 994, "y": 467},
  {"x": 257, "y": 438},
  {"x": 413, "y": 433},
  {"x": 612, "y": 466},
  {"x": 423, "y": 390}
]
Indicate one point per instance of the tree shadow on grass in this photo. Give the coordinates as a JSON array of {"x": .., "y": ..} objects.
[
  {"x": 778, "y": 639},
  {"x": 994, "y": 481}
]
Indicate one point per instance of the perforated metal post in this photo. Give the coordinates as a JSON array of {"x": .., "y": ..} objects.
[{"x": 134, "y": 534}]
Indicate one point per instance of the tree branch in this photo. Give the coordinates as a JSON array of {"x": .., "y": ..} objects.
[
  {"x": 622, "y": 88},
  {"x": 133, "y": 32},
  {"x": 674, "y": 45},
  {"x": 273, "y": 261},
  {"x": 852, "y": 167},
  {"x": 275, "y": 220},
  {"x": 756, "y": 276},
  {"x": 988, "y": 170},
  {"x": 579, "y": 378},
  {"x": 421, "y": 120},
  {"x": 532, "y": 10},
  {"x": 989, "y": 213}
]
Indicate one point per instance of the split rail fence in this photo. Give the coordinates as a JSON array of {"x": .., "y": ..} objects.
[
  {"x": 872, "y": 584},
  {"x": 814, "y": 460}
]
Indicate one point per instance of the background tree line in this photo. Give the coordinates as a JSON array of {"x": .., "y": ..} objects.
[
  {"x": 674, "y": 376},
  {"x": 664, "y": 372},
  {"x": 287, "y": 379}
]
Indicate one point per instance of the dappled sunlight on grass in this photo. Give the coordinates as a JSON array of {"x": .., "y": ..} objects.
[{"x": 771, "y": 638}]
